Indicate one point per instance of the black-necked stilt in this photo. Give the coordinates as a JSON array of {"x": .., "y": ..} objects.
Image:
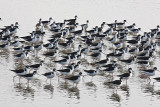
[
  {"x": 143, "y": 63},
  {"x": 120, "y": 24},
  {"x": 66, "y": 71},
  {"x": 16, "y": 43},
  {"x": 102, "y": 62},
  {"x": 111, "y": 69},
  {"x": 70, "y": 66},
  {"x": 21, "y": 56},
  {"x": 155, "y": 30},
  {"x": 85, "y": 26},
  {"x": 64, "y": 61},
  {"x": 78, "y": 32},
  {"x": 136, "y": 30},
  {"x": 4, "y": 46},
  {"x": 29, "y": 76},
  {"x": 143, "y": 58},
  {"x": 75, "y": 78},
  {"x": 65, "y": 45},
  {"x": 38, "y": 47},
  {"x": 114, "y": 39},
  {"x": 29, "y": 48},
  {"x": 93, "y": 31},
  {"x": 50, "y": 54},
  {"x": 129, "y": 61},
  {"x": 134, "y": 50},
  {"x": 96, "y": 55},
  {"x": 118, "y": 44},
  {"x": 97, "y": 45},
  {"x": 85, "y": 50},
  {"x": 96, "y": 50},
  {"x": 92, "y": 72},
  {"x": 28, "y": 37},
  {"x": 146, "y": 53},
  {"x": 45, "y": 23},
  {"x": 72, "y": 20},
  {"x": 120, "y": 54},
  {"x": 50, "y": 75},
  {"x": 109, "y": 65},
  {"x": 157, "y": 79},
  {"x": 134, "y": 42},
  {"x": 13, "y": 30},
  {"x": 20, "y": 49},
  {"x": 20, "y": 72},
  {"x": 116, "y": 82},
  {"x": 36, "y": 66},
  {"x": 112, "y": 25},
  {"x": 131, "y": 27},
  {"x": 149, "y": 72},
  {"x": 48, "y": 45},
  {"x": 77, "y": 65},
  {"x": 126, "y": 75}
]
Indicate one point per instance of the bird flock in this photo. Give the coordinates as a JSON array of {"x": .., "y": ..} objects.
[{"x": 75, "y": 50}]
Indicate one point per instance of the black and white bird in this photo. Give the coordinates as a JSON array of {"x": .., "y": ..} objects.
[
  {"x": 29, "y": 76},
  {"x": 66, "y": 71},
  {"x": 157, "y": 79},
  {"x": 20, "y": 72},
  {"x": 111, "y": 69},
  {"x": 102, "y": 62},
  {"x": 18, "y": 50},
  {"x": 116, "y": 82},
  {"x": 36, "y": 66},
  {"x": 45, "y": 23},
  {"x": 126, "y": 75},
  {"x": 92, "y": 72},
  {"x": 38, "y": 47},
  {"x": 29, "y": 47},
  {"x": 64, "y": 61},
  {"x": 75, "y": 78},
  {"x": 50, "y": 75},
  {"x": 149, "y": 72},
  {"x": 21, "y": 56},
  {"x": 4, "y": 46},
  {"x": 50, "y": 54}
]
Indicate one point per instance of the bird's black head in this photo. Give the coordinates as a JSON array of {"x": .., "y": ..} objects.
[
  {"x": 54, "y": 70},
  {"x": 34, "y": 72},
  {"x": 155, "y": 68},
  {"x": 121, "y": 79},
  {"x": 41, "y": 62},
  {"x": 80, "y": 73},
  {"x": 78, "y": 62},
  {"x": 27, "y": 66},
  {"x": 26, "y": 52},
  {"x": 129, "y": 70}
]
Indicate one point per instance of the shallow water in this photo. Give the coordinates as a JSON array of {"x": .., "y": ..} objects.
[{"x": 145, "y": 13}]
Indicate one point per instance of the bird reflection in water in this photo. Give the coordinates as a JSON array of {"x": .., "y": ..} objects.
[
  {"x": 126, "y": 89},
  {"x": 26, "y": 92},
  {"x": 72, "y": 91},
  {"x": 91, "y": 85},
  {"x": 49, "y": 88},
  {"x": 147, "y": 88},
  {"x": 115, "y": 97}
]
